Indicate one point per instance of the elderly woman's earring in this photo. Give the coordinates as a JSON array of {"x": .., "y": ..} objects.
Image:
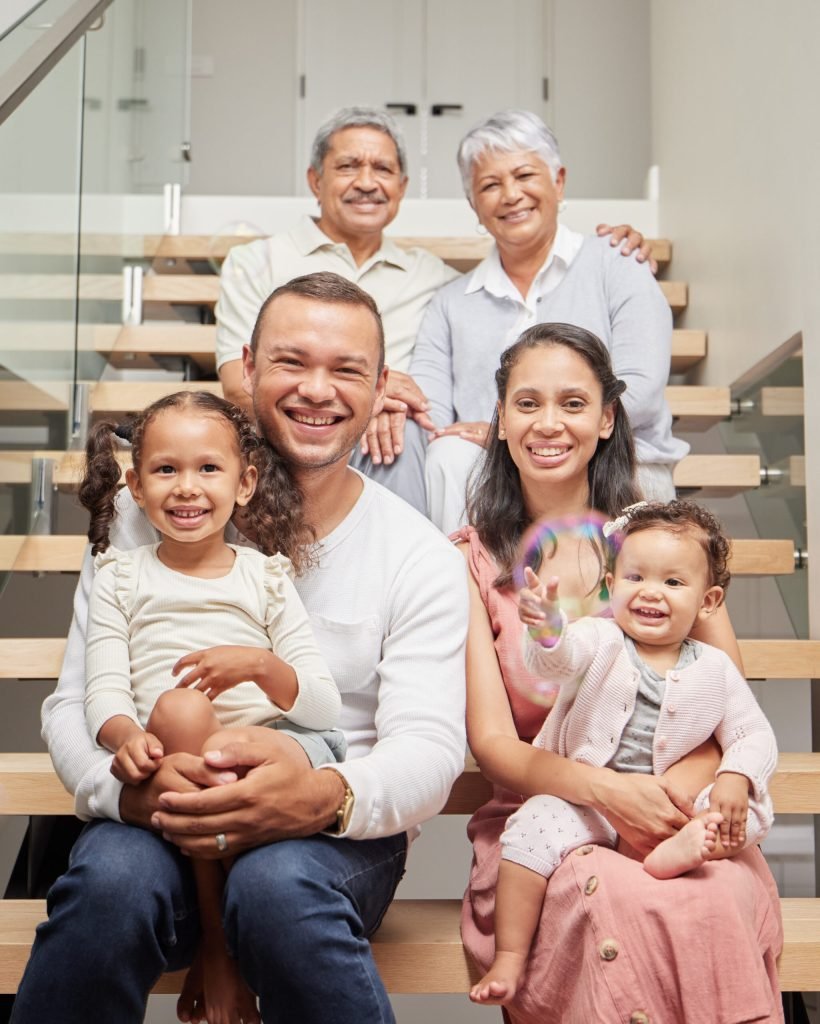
[
  {"x": 562, "y": 205},
  {"x": 480, "y": 229}
]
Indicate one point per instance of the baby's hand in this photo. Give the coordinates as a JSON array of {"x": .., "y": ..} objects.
[
  {"x": 538, "y": 603},
  {"x": 137, "y": 758},
  {"x": 730, "y": 796},
  {"x": 217, "y": 669}
]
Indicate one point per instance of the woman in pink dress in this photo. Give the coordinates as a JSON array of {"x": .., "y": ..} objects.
[{"x": 613, "y": 944}]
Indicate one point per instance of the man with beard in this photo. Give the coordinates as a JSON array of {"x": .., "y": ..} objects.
[{"x": 318, "y": 852}]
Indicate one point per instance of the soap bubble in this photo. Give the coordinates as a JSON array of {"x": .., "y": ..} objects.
[{"x": 538, "y": 547}]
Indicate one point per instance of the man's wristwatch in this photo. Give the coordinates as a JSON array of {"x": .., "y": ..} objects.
[{"x": 345, "y": 811}]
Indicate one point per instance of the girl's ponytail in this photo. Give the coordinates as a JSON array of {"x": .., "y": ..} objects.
[
  {"x": 274, "y": 516},
  {"x": 100, "y": 482},
  {"x": 276, "y": 511}
]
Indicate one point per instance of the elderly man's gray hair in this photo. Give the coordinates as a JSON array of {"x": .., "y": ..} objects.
[
  {"x": 357, "y": 117},
  {"x": 507, "y": 131}
]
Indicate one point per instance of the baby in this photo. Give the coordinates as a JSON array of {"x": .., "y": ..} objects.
[{"x": 635, "y": 694}]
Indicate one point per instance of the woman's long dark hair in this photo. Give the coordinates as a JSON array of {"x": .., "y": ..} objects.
[
  {"x": 495, "y": 503},
  {"x": 274, "y": 514}
]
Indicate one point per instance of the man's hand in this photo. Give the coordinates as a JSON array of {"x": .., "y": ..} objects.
[
  {"x": 180, "y": 773},
  {"x": 730, "y": 797},
  {"x": 384, "y": 438},
  {"x": 643, "y": 809},
  {"x": 275, "y": 800},
  {"x": 137, "y": 758},
  {"x": 478, "y": 433},
  {"x": 632, "y": 240},
  {"x": 217, "y": 669}
]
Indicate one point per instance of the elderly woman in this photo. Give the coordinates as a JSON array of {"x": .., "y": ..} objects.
[{"x": 538, "y": 271}]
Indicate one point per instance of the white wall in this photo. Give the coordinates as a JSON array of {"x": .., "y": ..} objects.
[
  {"x": 244, "y": 95},
  {"x": 734, "y": 94},
  {"x": 600, "y": 94},
  {"x": 12, "y": 10},
  {"x": 734, "y": 88}
]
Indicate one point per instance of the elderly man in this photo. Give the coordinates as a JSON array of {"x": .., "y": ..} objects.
[
  {"x": 318, "y": 852},
  {"x": 358, "y": 173}
]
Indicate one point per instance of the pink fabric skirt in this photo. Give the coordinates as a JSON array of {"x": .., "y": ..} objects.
[{"x": 616, "y": 945}]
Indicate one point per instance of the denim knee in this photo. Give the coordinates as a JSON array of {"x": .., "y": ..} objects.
[{"x": 123, "y": 913}]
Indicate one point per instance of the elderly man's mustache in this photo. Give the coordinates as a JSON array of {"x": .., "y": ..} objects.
[{"x": 370, "y": 197}]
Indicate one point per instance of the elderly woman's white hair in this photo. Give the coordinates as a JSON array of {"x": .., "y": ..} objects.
[
  {"x": 356, "y": 117},
  {"x": 507, "y": 131}
]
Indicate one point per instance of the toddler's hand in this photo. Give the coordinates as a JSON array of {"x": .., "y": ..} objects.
[
  {"x": 137, "y": 758},
  {"x": 730, "y": 796},
  {"x": 217, "y": 669},
  {"x": 538, "y": 606}
]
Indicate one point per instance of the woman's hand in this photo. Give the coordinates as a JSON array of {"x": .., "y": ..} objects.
[
  {"x": 478, "y": 432},
  {"x": 643, "y": 809}
]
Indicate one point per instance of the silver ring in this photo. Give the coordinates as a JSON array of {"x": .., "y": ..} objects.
[{"x": 221, "y": 842}]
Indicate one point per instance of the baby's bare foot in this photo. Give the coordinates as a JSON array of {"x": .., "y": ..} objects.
[
  {"x": 500, "y": 983},
  {"x": 687, "y": 850}
]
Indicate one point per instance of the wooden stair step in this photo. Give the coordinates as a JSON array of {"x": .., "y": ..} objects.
[
  {"x": 138, "y": 345},
  {"x": 710, "y": 475},
  {"x": 461, "y": 253},
  {"x": 135, "y": 345},
  {"x": 41, "y": 658},
  {"x": 718, "y": 476},
  {"x": 64, "y": 553},
  {"x": 418, "y": 947},
  {"x": 782, "y": 402},
  {"x": 183, "y": 289},
  {"x": 30, "y": 786},
  {"x": 695, "y": 407}
]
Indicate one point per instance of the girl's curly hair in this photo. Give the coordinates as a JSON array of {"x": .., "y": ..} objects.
[
  {"x": 682, "y": 516},
  {"x": 275, "y": 514}
]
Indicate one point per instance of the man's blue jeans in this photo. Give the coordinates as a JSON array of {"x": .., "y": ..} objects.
[{"x": 297, "y": 917}]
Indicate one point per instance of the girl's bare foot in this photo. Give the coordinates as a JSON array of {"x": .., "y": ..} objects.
[
  {"x": 228, "y": 1000},
  {"x": 500, "y": 983},
  {"x": 191, "y": 1002},
  {"x": 687, "y": 850}
]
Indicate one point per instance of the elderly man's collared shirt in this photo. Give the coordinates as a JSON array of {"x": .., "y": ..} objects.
[{"x": 401, "y": 281}]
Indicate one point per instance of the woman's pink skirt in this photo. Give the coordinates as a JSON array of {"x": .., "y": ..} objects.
[{"x": 616, "y": 945}]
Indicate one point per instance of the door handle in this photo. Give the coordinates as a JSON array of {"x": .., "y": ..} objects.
[
  {"x": 438, "y": 109},
  {"x": 403, "y": 108}
]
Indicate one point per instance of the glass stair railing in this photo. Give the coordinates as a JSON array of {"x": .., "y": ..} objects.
[{"x": 767, "y": 418}]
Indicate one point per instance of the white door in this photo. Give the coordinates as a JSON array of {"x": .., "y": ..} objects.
[
  {"x": 438, "y": 65},
  {"x": 362, "y": 53},
  {"x": 481, "y": 57}
]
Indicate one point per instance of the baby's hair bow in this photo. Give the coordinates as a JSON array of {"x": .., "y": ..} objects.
[{"x": 614, "y": 525}]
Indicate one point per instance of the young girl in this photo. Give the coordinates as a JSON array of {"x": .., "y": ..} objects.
[
  {"x": 635, "y": 695},
  {"x": 156, "y": 684}
]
